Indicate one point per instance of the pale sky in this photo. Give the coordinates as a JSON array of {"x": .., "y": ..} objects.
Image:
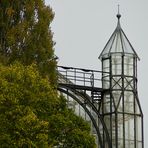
[{"x": 82, "y": 28}]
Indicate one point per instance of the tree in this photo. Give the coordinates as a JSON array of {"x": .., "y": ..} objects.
[
  {"x": 32, "y": 114},
  {"x": 70, "y": 131},
  {"x": 23, "y": 94},
  {"x": 25, "y": 34}
]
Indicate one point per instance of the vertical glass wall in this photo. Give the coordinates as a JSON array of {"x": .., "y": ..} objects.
[{"x": 120, "y": 107}]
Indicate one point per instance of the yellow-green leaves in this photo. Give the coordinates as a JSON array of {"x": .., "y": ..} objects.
[
  {"x": 25, "y": 34},
  {"x": 26, "y": 103},
  {"x": 32, "y": 114}
]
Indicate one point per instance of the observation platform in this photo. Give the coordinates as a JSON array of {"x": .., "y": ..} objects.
[{"x": 81, "y": 80}]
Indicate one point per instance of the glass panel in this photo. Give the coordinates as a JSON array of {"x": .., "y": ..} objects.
[
  {"x": 116, "y": 69},
  {"x": 139, "y": 129},
  {"x": 117, "y": 83},
  {"x": 129, "y": 131},
  {"x": 139, "y": 144},
  {"x": 120, "y": 107},
  {"x": 106, "y": 103},
  {"x": 120, "y": 130},
  {"x": 101, "y": 129},
  {"x": 116, "y": 97},
  {"x": 126, "y": 45},
  {"x": 139, "y": 132},
  {"x": 106, "y": 65},
  {"x": 107, "y": 122},
  {"x": 108, "y": 46},
  {"x": 106, "y": 82},
  {"x": 106, "y": 78},
  {"x": 128, "y": 83},
  {"x": 116, "y": 64},
  {"x": 116, "y": 59},
  {"x": 128, "y": 65},
  {"x": 113, "y": 130},
  {"x": 128, "y": 102},
  {"x": 117, "y": 46}
]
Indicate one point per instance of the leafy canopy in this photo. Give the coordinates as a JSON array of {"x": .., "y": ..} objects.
[
  {"x": 31, "y": 113},
  {"x": 25, "y": 34}
]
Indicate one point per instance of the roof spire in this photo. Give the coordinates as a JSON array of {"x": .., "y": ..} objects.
[
  {"x": 118, "y": 15},
  {"x": 118, "y": 8},
  {"x": 118, "y": 43}
]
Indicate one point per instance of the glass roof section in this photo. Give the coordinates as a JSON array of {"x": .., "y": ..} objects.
[{"x": 118, "y": 43}]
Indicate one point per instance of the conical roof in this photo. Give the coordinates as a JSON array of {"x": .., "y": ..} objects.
[{"x": 118, "y": 43}]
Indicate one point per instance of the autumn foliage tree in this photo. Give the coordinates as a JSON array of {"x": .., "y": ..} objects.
[
  {"x": 25, "y": 34},
  {"x": 32, "y": 114}
]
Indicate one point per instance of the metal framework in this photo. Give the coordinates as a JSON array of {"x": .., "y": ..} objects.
[
  {"x": 114, "y": 108},
  {"x": 82, "y": 86},
  {"x": 121, "y": 108}
]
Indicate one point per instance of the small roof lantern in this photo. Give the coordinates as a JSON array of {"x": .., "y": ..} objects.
[{"x": 118, "y": 43}]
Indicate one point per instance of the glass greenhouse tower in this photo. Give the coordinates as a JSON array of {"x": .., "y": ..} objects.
[{"x": 121, "y": 108}]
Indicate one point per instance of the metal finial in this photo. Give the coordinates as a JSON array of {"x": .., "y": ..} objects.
[
  {"x": 118, "y": 9},
  {"x": 118, "y": 15}
]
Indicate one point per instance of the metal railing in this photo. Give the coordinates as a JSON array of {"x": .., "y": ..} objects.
[{"x": 79, "y": 76}]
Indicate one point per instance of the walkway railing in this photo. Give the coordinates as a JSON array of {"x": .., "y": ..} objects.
[{"x": 79, "y": 76}]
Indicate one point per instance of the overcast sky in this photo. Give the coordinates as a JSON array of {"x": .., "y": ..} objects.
[{"x": 82, "y": 28}]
